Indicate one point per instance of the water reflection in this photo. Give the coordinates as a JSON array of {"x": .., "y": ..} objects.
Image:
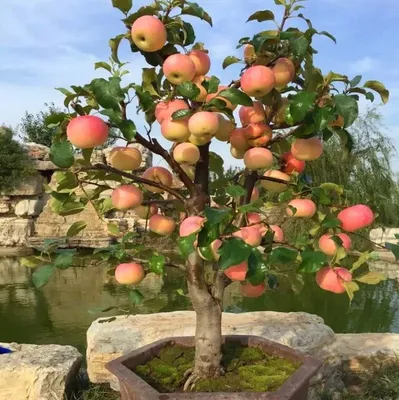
[{"x": 58, "y": 313}]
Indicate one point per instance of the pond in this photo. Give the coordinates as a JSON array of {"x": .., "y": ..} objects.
[{"x": 59, "y": 312}]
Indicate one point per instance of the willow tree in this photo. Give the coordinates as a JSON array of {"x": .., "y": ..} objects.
[{"x": 288, "y": 107}]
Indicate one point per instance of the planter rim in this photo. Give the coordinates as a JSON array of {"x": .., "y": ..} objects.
[{"x": 310, "y": 365}]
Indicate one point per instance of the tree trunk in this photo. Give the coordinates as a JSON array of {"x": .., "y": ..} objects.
[{"x": 207, "y": 303}]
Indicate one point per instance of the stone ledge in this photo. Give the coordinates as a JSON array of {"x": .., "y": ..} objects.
[
  {"x": 35, "y": 372},
  {"x": 107, "y": 341}
]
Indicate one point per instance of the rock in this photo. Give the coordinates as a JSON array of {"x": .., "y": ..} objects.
[
  {"x": 361, "y": 352},
  {"x": 50, "y": 225},
  {"x": 107, "y": 341},
  {"x": 15, "y": 231},
  {"x": 41, "y": 165},
  {"x": 35, "y": 372},
  {"x": 31, "y": 187},
  {"x": 382, "y": 235},
  {"x": 36, "y": 151},
  {"x": 29, "y": 207},
  {"x": 5, "y": 207}
]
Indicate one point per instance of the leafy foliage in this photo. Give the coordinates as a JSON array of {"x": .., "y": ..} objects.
[{"x": 15, "y": 164}]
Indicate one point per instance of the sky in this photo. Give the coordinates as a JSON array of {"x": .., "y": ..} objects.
[{"x": 46, "y": 44}]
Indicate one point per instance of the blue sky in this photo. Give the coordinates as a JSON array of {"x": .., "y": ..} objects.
[{"x": 46, "y": 44}]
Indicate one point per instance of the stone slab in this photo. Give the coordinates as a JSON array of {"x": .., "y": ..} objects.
[{"x": 35, "y": 372}]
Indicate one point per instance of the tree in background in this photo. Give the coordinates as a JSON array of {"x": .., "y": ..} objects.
[
  {"x": 33, "y": 127},
  {"x": 288, "y": 109},
  {"x": 366, "y": 171},
  {"x": 15, "y": 165}
]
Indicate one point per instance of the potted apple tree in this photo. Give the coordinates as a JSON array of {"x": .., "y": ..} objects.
[{"x": 274, "y": 117}]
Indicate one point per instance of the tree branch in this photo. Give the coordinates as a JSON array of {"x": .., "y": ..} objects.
[
  {"x": 277, "y": 180},
  {"x": 135, "y": 178},
  {"x": 202, "y": 169}
]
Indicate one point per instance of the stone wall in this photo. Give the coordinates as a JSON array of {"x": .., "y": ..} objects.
[{"x": 26, "y": 219}]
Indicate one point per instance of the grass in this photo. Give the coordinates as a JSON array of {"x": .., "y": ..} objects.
[
  {"x": 383, "y": 385},
  {"x": 97, "y": 392}
]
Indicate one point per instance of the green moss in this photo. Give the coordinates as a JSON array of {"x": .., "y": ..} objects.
[
  {"x": 247, "y": 369},
  {"x": 170, "y": 354}
]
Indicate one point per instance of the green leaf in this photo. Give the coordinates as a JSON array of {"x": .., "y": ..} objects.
[
  {"x": 212, "y": 85},
  {"x": 347, "y": 107},
  {"x": 355, "y": 81},
  {"x": 334, "y": 77},
  {"x": 215, "y": 216},
  {"x": 114, "y": 45},
  {"x": 312, "y": 261},
  {"x": 157, "y": 263},
  {"x": 103, "y": 65},
  {"x": 76, "y": 227},
  {"x": 280, "y": 2},
  {"x": 261, "y": 16},
  {"x": 394, "y": 248},
  {"x": 31, "y": 261},
  {"x": 282, "y": 255},
  {"x": 363, "y": 258},
  {"x": 285, "y": 196},
  {"x": 181, "y": 114},
  {"x": 372, "y": 278},
  {"x": 186, "y": 244},
  {"x": 145, "y": 10},
  {"x": 232, "y": 252},
  {"x": 324, "y": 33},
  {"x": 379, "y": 88},
  {"x": 61, "y": 154},
  {"x": 64, "y": 259},
  {"x": 257, "y": 268},
  {"x": 300, "y": 46},
  {"x": 42, "y": 276},
  {"x": 351, "y": 288},
  {"x": 70, "y": 208},
  {"x": 113, "y": 229},
  {"x": 136, "y": 297},
  {"x": 64, "y": 91},
  {"x": 123, "y": 5},
  {"x": 189, "y": 90},
  {"x": 86, "y": 153},
  {"x": 197, "y": 11},
  {"x": 108, "y": 93},
  {"x": 114, "y": 116},
  {"x": 128, "y": 129},
  {"x": 236, "y": 191},
  {"x": 301, "y": 104},
  {"x": 261, "y": 38},
  {"x": 331, "y": 222},
  {"x": 235, "y": 96},
  {"x": 322, "y": 117},
  {"x": 346, "y": 139},
  {"x": 97, "y": 310},
  {"x": 55, "y": 119},
  {"x": 230, "y": 60}
]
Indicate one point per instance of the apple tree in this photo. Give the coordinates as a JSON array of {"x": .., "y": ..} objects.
[{"x": 274, "y": 117}]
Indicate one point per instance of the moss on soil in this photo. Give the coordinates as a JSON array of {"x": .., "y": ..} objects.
[{"x": 248, "y": 369}]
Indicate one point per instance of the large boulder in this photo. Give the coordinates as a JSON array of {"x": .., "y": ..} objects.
[
  {"x": 107, "y": 341},
  {"x": 33, "y": 372},
  {"x": 31, "y": 187},
  {"x": 15, "y": 231}
]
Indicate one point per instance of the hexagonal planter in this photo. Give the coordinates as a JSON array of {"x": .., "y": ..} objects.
[{"x": 132, "y": 387}]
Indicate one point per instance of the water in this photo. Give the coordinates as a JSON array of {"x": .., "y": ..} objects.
[{"x": 58, "y": 313}]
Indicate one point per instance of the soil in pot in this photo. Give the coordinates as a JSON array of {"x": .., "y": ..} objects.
[{"x": 248, "y": 369}]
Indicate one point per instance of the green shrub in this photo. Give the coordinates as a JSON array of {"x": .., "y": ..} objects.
[{"x": 15, "y": 164}]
